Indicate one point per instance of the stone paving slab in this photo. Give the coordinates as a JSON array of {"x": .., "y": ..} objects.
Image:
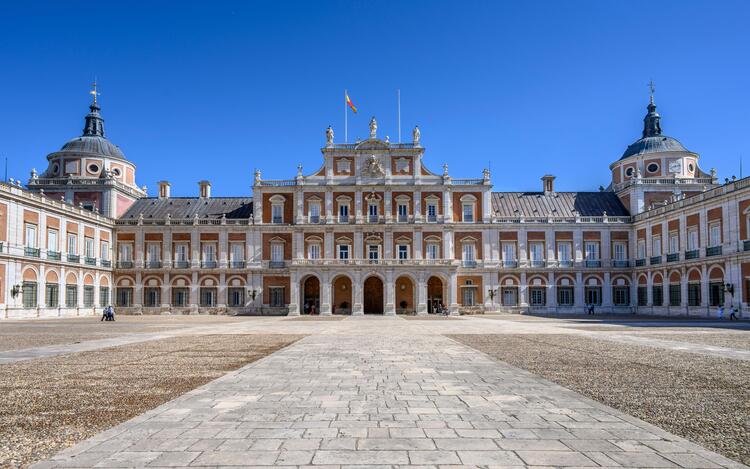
[{"x": 383, "y": 400}]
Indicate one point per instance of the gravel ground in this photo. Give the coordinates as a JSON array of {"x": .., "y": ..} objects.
[
  {"x": 16, "y": 335},
  {"x": 739, "y": 340},
  {"x": 51, "y": 404},
  {"x": 703, "y": 399}
]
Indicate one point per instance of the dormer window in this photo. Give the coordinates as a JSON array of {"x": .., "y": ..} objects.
[{"x": 468, "y": 203}]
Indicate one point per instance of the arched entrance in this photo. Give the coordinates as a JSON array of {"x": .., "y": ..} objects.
[
  {"x": 311, "y": 295},
  {"x": 373, "y": 295},
  {"x": 342, "y": 295},
  {"x": 405, "y": 301},
  {"x": 434, "y": 294}
]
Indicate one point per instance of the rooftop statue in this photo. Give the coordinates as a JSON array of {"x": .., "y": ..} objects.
[
  {"x": 417, "y": 135},
  {"x": 373, "y": 127},
  {"x": 329, "y": 136}
]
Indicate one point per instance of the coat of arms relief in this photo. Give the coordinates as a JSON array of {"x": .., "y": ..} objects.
[{"x": 373, "y": 168}]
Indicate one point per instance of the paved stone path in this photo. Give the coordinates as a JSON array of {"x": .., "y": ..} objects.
[{"x": 389, "y": 398}]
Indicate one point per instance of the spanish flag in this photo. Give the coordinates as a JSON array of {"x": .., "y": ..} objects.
[{"x": 350, "y": 103}]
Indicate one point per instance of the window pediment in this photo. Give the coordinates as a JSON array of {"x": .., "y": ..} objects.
[
  {"x": 277, "y": 199},
  {"x": 468, "y": 198}
]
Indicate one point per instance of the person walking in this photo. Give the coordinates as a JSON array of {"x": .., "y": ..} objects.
[
  {"x": 720, "y": 313},
  {"x": 733, "y": 315}
]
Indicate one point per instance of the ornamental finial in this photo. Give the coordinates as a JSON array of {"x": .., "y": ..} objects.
[
  {"x": 652, "y": 88},
  {"x": 93, "y": 91}
]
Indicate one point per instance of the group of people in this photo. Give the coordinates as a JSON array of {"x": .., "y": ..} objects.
[
  {"x": 732, "y": 313},
  {"x": 108, "y": 314}
]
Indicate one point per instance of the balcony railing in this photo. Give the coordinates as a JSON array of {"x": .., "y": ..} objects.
[
  {"x": 565, "y": 263},
  {"x": 713, "y": 251},
  {"x": 373, "y": 218},
  {"x": 402, "y": 218},
  {"x": 654, "y": 260},
  {"x": 693, "y": 254},
  {"x": 469, "y": 264},
  {"x": 277, "y": 220},
  {"x": 468, "y": 219},
  {"x": 124, "y": 264},
  {"x": 745, "y": 245},
  {"x": 237, "y": 264},
  {"x": 209, "y": 264},
  {"x": 276, "y": 264},
  {"x": 314, "y": 219},
  {"x": 592, "y": 263},
  {"x": 53, "y": 255},
  {"x": 620, "y": 263},
  {"x": 89, "y": 260},
  {"x": 510, "y": 264},
  {"x": 343, "y": 218},
  {"x": 431, "y": 218},
  {"x": 105, "y": 263},
  {"x": 673, "y": 257},
  {"x": 153, "y": 264},
  {"x": 537, "y": 263},
  {"x": 184, "y": 264},
  {"x": 74, "y": 258},
  {"x": 31, "y": 252}
]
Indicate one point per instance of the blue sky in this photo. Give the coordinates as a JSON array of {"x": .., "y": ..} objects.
[{"x": 194, "y": 90}]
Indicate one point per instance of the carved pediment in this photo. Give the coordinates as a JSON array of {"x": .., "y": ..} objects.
[{"x": 373, "y": 167}]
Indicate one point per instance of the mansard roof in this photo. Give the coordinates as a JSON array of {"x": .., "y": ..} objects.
[
  {"x": 557, "y": 204},
  {"x": 188, "y": 207}
]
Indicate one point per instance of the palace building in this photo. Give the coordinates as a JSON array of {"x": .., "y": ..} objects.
[{"x": 375, "y": 230}]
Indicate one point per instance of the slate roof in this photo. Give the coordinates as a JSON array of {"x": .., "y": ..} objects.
[
  {"x": 558, "y": 204},
  {"x": 187, "y": 207}
]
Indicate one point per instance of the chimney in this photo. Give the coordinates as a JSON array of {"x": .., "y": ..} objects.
[
  {"x": 164, "y": 189},
  {"x": 548, "y": 183},
  {"x": 205, "y": 189}
]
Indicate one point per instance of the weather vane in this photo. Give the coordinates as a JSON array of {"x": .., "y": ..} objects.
[{"x": 93, "y": 91}]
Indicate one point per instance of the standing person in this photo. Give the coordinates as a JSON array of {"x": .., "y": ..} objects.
[
  {"x": 720, "y": 313},
  {"x": 105, "y": 313},
  {"x": 733, "y": 315}
]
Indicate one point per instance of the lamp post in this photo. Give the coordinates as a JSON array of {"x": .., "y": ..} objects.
[{"x": 492, "y": 293}]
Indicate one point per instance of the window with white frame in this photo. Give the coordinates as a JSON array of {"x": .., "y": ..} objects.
[
  {"x": 72, "y": 243},
  {"x": 276, "y": 296},
  {"x": 153, "y": 251},
  {"x": 343, "y": 212},
  {"x": 372, "y": 210},
  {"x": 314, "y": 211},
  {"x": 30, "y": 235},
  {"x": 433, "y": 250},
  {"x": 125, "y": 252},
  {"x": 237, "y": 252},
  {"x": 52, "y": 240},
  {"x": 536, "y": 251},
  {"x": 714, "y": 234},
  {"x": 432, "y": 210},
  {"x": 641, "y": 248},
  {"x": 469, "y": 294},
  {"x": 509, "y": 251},
  {"x": 564, "y": 251},
  {"x": 620, "y": 251},
  {"x": 692, "y": 239},
  {"x": 89, "y": 247},
  {"x": 209, "y": 252},
  {"x": 592, "y": 250},
  {"x": 467, "y": 212},
  {"x": 402, "y": 211},
  {"x": 674, "y": 242},
  {"x": 403, "y": 251},
  {"x": 313, "y": 250},
  {"x": 181, "y": 252},
  {"x": 656, "y": 246},
  {"x": 344, "y": 252},
  {"x": 277, "y": 252},
  {"x": 104, "y": 247},
  {"x": 373, "y": 252},
  {"x": 277, "y": 213},
  {"x": 468, "y": 251}
]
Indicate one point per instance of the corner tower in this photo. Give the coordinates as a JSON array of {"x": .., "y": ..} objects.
[
  {"x": 90, "y": 171},
  {"x": 657, "y": 169}
]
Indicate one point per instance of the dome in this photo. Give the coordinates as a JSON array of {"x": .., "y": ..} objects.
[
  {"x": 93, "y": 144},
  {"x": 655, "y": 144}
]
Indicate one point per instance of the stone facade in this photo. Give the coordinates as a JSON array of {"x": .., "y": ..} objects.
[{"x": 374, "y": 230}]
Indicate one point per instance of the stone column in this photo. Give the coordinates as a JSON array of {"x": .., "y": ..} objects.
[
  {"x": 195, "y": 249},
  {"x": 222, "y": 299},
  {"x": 607, "y": 291},
  {"x": 522, "y": 254},
  {"x": 166, "y": 249},
  {"x": 417, "y": 205},
  {"x": 357, "y": 303},
  {"x": 194, "y": 292},
  {"x": 448, "y": 250},
  {"x": 299, "y": 199},
  {"x": 387, "y": 206},
  {"x": 358, "y": 246},
  {"x": 329, "y": 207},
  {"x": 579, "y": 293},
  {"x": 358, "y": 206},
  {"x": 325, "y": 295},
  {"x": 390, "y": 294},
  {"x": 453, "y": 294},
  {"x": 578, "y": 247},
  {"x": 138, "y": 293},
  {"x": 417, "y": 245},
  {"x": 606, "y": 254},
  {"x": 422, "y": 294},
  {"x": 294, "y": 294},
  {"x": 704, "y": 284},
  {"x": 166, "y": 300},
  {"x": 649, "y": 290},
  {"x": 223, "y": 248},
  {"x": 551, "y": 292},
  {"x": 522, "y": 290},
  {"x": 447, "y": 206}
]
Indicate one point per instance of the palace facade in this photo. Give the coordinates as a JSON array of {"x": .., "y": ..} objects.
[{"x": 374, "y": 230}]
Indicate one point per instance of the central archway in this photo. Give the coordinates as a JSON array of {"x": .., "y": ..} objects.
[
  {"x": 405, "y": 298},
  {"x": 435, "y": 298},
  {"x": 342, "y": 295},
  {"x": 311, "y": 295},
  {"x": 373, "y": 295}
]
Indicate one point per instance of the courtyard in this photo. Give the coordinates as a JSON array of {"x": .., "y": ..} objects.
[{"x": 500, "y": 390}]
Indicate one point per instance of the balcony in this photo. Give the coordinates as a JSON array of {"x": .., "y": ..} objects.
[
  {"x": 537, "y": 263},
  {"x": 74, "y": 258},
  {"x": 673, "y": 257},
  {"x": 89, "y": 260},
  {"x": 640, "y": 262},
  {"x": 654, "y": 260},
  {"x": 620, "y": 263},
  {"x": 314, "y": 219},
  {"x": 236, "y": 264},
  {"x": 745, "y": 245},
  {"x": 276, "y": 264},
  {"x": 183, "y": 264},
  {"x": 510, "y": 264},
  {"x": 209, "y": 264},
  {"x": 343, "y": 218},
  {"x": 565, "y": 263},
  {"x": 124, "y": 264},
  {"x": 694, "y": 254},
  {"x": 713, "y": 251},
  {"x": 402, "y": 218},
  {"x": 431, "y": 218},
  {"x": 53, "y": 255},
  {"x": 468, "y": 264},
  {"x": 105, "y": 263},
  {"x": 592, "y": 263},
  {"x": 153, "y": 264},
  {"x": 468, "y": 219},
  {"x": 31, "y": 252},
  {"x": 373, "y": 219},
  {"x": 277, "y": 220}
]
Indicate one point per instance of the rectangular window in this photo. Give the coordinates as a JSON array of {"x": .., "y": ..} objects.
[
  {"x": 180, "y": 296},
  {"x": 52, "y": 240},
  {"x": 656, "y": 246},
  {"x": 403, "y": 252},
  {"x": 125, "y": 296},
  {"x": 88, "y": 296},
  {"x": 103, "y": 296},
  {"x": 657, "y": 295},
  {"x": 537, "y": 296},
  {"x": 469, "y": 253},
  {"x": 237, "y": 252},
  {"x": 236, "y": 297},
  {"x": 641, "y": 248},
  {"x": 433, "y": 251},
  {"x": 344, "y": 251},
  {"x": 209, "y": 252},
  {"x": 151, "y": 297},
  {"x": 692, "y": 239},
  {"x": 674, "y": 243},
  {"x": 621, "y": 296},
  {"x": 565, "y": 296},
  {"x": 694, "y": 294},
  {"x": 343, "y": 213},
  {"x": 536, "y": 251},
  {"x": 373, "y": 252},
  {"x": 431, "y": 212},
  {"x": 52, "y": 295},
  {"x": 372, "y": 211},
  {"x": 29, "y": 294},
  {"x": 314, "y": 213},
  {"x": 71, "y": 296},
  {"x": 89, "y": 247},
  {"x": 675, "y": 295},
  {"x": 716, "y": 294},
  {"x": 277, "y": 213},
  {"x": 510, "y": 296},
  {"x": 509, "y": 252},
  {"x": 592, "y": 251},
  {"x": 714, "y": 234},
  {"x": 126, "y": 252},
  {"x": 277, "y": 252},
  {"x": 72, "y": 243},
  {"x": 468, "y": 295},
  {"x": 208, "y": 296},
  {"x": 621, "y": 251},
  {"x": 181, "y": 252},
  {"x": 104, "y": 254},
  {"x": 564, "y": 252},
  {"x": 30, "y": 235},
  {"x": 642, "y": 296},
  {"x": 403, "y": 212},
  {"x": 314, "y": 251},
  {"x": 276, "y": 296},
  {"x": 593, "y": 295},
  {"x": 468, "y": 213}
]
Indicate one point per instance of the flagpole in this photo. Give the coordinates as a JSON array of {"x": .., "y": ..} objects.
[
  {"x": 346, "y": 118},
  {"x": 398, "y": 95}
]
